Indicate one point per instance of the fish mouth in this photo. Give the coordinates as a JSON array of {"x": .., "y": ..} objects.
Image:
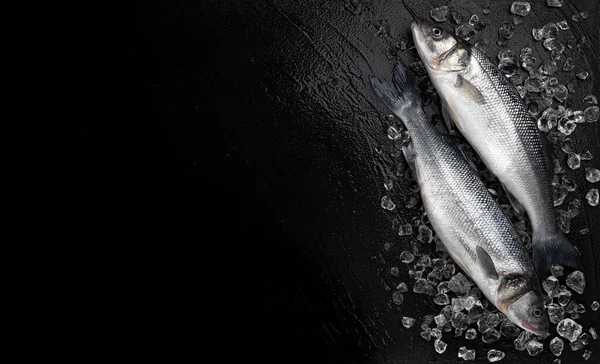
[{"x": 538, "y": 331}]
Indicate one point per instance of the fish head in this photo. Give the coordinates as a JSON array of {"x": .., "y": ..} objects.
[
  {"x": 523, "y": 303},
  {"x": 439, "y": 49}
]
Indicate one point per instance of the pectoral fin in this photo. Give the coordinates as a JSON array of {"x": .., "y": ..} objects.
[
  {"x": 486, "y": 262},
  {"x": 468, "y": 90}
]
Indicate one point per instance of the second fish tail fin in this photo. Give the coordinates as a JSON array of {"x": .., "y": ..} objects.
[
  {"x": 556, "y": 250},
  {"x": 401, "y": 95}
]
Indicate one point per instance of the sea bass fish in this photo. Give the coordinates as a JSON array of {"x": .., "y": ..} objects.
[
  {"x": 489, "y": 113},
  {"x": 471, "y": 225}
]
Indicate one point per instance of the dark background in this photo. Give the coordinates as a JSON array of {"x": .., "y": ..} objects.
[{"x": 262, "y": 120}]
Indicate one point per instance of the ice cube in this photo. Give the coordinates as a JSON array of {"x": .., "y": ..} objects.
[
  {"x": 387, "y": 203},
  {"x": 422, "y": 286},
  {"x": 563, "y": 25},
  {"x": 490, "y": 336},
  {"x": 406, "y": 257},
  {"x": 555, "y": 3},
  {"x": 488, "y": 322},
  {"x": 440, "y": 346},
  {"x": 556, "y": 361},
  {"x": 456, "y": 17},
  {"x": 591, "y": 114},
  {"x": 402, "y": 287},
  {"x": 557, "y": 270},
  {"x": 482, "y": 45},
  {"x": 508, "y": 66},
  {"x": 534, "y": 347},
  {"x": 434, "y": 277},
  {"x": 565, "y": 126},
  {"x": 469, "y": 302},
  {"x": 459, "y": 321},
  {"x": 448, "y": 271},
  {"x": 459, "y": 284},
  {"x": 437, "y": 333},
  {"x": 582, "y": 75},
  {"x": 408, "y": 322},
  {"x": 538, "y": 34},
  {"x": 458, "y": 332},
  {"x": 505, "y": 31},
  {"x": 476, "y": 23},
  {"x": 573, "y": 208},
  {"x": 556, "y": 346},
  {"x": 586, "y": 156},
  {"x": 593, "y": 332},
  {"x": 568, "y": 183},
  {"x": 559, "y": 193},
  {"x": 426, "y": 321},
  {"x": 576, "y": 345},
  {"x": 521, "y": 341},
  {"x": 424, "y": 261},
  {"x": 425, "y": 234},
  {"x": 550, "y": 43},
  {"x": 587, "y": 354},
  {"x": 568, "y": 65},
  {"x": 560, "y": 93},
  {"x": 469, "y": 355},
  {"x": 509, "y": 329},
  {"x": 442, "y": 287},
  {"x": 440, "y": 14},
  {"x": 465, "y": 31},
  {"x": 550, "y": 30},
  {"x": 457, "y": 304},
  {"x": 567, "y": 146},
  {"x": 574, "y": 161},
  {"x": 550, "y": 285},
  {"x": 405, "y": 229},
  {"x": 462, "y": 351},
  {"x": 595, "y": 305},
  {"x": 495, "y": 355},
  {"x": 394, "y": 271},
  {"x": 576, "y": 281},
  {"x": 426, "y": 334},
  {"x": 521, "y": 8},
  {"x": 564, "y": 296},
  {"x": 397, "y": 297},
  {"x": 590, "y": 99},
  {"x": 548, "y": 67},
  {"x": 441, "y": 299},
  {"x": 555, "y": 312},
  {"x": 569, "y": 329},
  {"x": 474, "y": 314},
  {"x": 471, "y": 334},
  {"x": 592, "y": 197}
]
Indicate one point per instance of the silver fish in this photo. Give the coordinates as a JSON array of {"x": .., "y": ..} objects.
[
  {"x": 489, "y": 113},
  {"x": 471, "y": 225}
]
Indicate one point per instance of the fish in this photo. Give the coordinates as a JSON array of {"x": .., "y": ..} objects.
[
  {"x": 487, "y": 110},
  {"x": 475, "y": 231}
]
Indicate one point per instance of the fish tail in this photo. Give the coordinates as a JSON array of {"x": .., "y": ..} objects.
[
  {"x": 556, "y": 250},
  {"x": 401, "y": 95}
]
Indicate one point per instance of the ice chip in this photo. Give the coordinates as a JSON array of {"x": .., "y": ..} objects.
[
  {"x": 591, "y": 114},
  {"x": 556, "y": 361},
  {"x": 555, "y": 313},
  {"x": 568, "y": 65},
  {"x": 442, "y": 287},
  {"x": 549, "y": 30},
  {"x": 521, "y": 341},
  {"x": 567, "y": 146},
  {"x": 440, "y": 14},
  {"x": 593, "y": 332},
  {"x": 469, "y": 302},
  {"x": 574, "y": 161},
  {"x": 474, "y": 314},
  {"x": 569, "y": 329},
  {"x": 576, "y": 345},
  {"x": 488, "y": 322},
  {"x": 426, "y": 321},
  {"x": 440, "y": 319},
  {"x": 448, "y": 271},
  {"x": 469, "y": 355},
  {"x": 462, "y": 351},
  {"x": 573, "y": 208},
  {"x": 406, "y": 257},
  {"x": 471, "y": 334},
  {"x": 405, "y": 229},
  {"x": 550, "y": 43},
  {"x": 490, "y": 336},
  {"x": 556, "y": 346},
  {"x": 592, "y": 197},
  {"x": 534, "y": 347},
  {"x": 424, "y": 261},
  {"x": 505, "y": 31},
  {"x": 563, "y": 220},
  {"x": 555, "y": 3},
  {"x": 425, "y": 234},
  {"x": 595, "y": 305},
  {"x": 440, "y": 346},
  {"x": 568, "y": 183},
  {"x": 590, "y": 99},
  {"x": 508, "y": 66},
  {"x": 426, "y": 334},
  {"x": 582, "y": 75},
  {"x": 441, "y": 299},
  {"x": 509, "y": 329},
  {"x": 465, "y": 31},
  {"x": 548, "y": 67},
  {"x": 521, "y": 8},
  {"x": 576, "y": 281},
  {"x": 538, "y": 34},
  {"x": 437, "y": 333},
  {"x": 387, "y": 203},
  {"x": 565, "y": 126},
  {"x": 495, "y": 355},
  {"x": 457, "y": 304}
]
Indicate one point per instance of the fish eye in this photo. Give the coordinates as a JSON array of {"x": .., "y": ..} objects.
[
  {"x": 437, "y": 32},
  {"x": 536, "y": 312}
]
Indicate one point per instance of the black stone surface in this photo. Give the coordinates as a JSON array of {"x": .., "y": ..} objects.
[{"x": 262, "y": 115}]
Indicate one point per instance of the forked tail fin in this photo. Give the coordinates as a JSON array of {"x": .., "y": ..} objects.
[
  {"x": 401, "y": 95},
  {"x": 556, "y": 250}
]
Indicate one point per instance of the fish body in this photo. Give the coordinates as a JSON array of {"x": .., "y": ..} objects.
[
  {"x": 471, "y": 225},
  {"x": 490, "y": 114}
]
